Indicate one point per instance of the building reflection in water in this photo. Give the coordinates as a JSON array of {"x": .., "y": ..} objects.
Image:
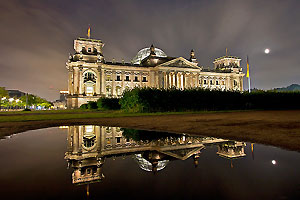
[{"x": 89, "y": 146}]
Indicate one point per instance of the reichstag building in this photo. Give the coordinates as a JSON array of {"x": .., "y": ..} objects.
[{"x": 91, "y": 76}]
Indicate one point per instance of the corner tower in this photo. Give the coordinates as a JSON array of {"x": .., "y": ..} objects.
[
  {"x": 84, "y": 67},
  {"x": 230, "y": 65}
]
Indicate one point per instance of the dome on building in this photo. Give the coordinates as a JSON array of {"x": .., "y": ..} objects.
[
  {"x": 147, "y": 166},
  {"x": 143, "y": 53}
]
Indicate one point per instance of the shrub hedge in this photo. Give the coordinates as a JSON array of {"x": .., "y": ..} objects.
[
  {"x": 108, "y": 104},
  {"x": 162, "y": 100}
]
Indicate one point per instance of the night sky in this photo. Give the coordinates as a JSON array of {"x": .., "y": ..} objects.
[{"x": 36, "y": 36}]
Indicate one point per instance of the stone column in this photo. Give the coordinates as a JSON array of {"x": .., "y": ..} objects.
[
  {"x": 70, "y": 136},
  {"x": 80, "y": 138},
  {"x": 70, "y": 82},
  {"x": 122, "y": 78},
  {"x": 103, "y": 86},
  {"x": 76, "y": 140},
  {"x": 160, "y": 79},
  {"x": 183, "y": 80},
  {"x": 98, "y": 81},
  {"x": 173, "y": 79},
  {"x": 141, "y": 78},
  {"x": 165, "y": 80},
  {"x": 75, "y": 80},
  {"x": 80, "y": 80},
  {"x": 186, "y": 81},
  {"x": 113, "y": 83},
  {"x": 98, "y": 137}
]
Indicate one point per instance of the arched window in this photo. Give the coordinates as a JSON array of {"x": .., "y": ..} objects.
[
  {"x": 89, "y": 76},
  {"x": 108, "y": 90},
  {"x": 118, "y": 90},
  {"x": 89, "y": 137}
]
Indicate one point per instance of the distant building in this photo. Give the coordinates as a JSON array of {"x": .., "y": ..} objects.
[
  {"x": 61, "y": 103},
  {"x": 63, "y": 95},
  {"x": 91, "y": 76},
  {"x": 15, "y": 93}
]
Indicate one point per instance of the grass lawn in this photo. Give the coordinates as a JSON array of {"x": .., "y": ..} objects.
[{"x": 23, "y": 116}]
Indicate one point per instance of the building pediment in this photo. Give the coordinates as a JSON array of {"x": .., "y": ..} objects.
[
  {"x": 180, "y": 62},
  {"x": 183, "y": 154}
]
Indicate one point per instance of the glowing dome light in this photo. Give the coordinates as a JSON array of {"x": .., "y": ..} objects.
[
  {"x": 143, "y": 53},
  {"x": 147, "y": 166},
  {"x": 267, "y": 51},
  {"x": 274, "y": 162}
]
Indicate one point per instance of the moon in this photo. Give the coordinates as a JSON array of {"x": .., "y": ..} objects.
[
  {"x": 274, "y": 162},
  {"x": 267, "y": 51}
]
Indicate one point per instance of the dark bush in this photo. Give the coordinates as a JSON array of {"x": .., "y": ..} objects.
[
  {"x": 108, "y": 104},
  {"x": 84, "y": 106},
  {"x": 162, "y": 100},
  {"x": 92, "y": 105}
]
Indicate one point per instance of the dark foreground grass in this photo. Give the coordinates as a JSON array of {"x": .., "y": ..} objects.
[
  {"x": 23, "y": 116},
  {"x": 277, "y": 128}
]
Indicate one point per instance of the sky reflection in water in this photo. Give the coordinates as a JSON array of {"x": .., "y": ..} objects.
[{"x": 105, "y": 162}]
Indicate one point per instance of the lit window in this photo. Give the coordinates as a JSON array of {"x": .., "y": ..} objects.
[
  {"x": 108, "y": 77},
  {"x": 89, "y": 89},
  {"x": 118, "y": 90},
  {"x": 89, "y": 129},
  {"x": 108, "y": 90}
]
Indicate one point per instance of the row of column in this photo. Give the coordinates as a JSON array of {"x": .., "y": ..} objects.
[{"x": 179, "y": 80}]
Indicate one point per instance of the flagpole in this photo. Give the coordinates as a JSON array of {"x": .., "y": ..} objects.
[
  {"x": 249, "y": 84},
  {"x": 248, "y": 75}
]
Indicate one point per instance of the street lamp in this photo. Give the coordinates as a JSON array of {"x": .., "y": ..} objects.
[
  {"x": 11, "y": 100},
  {"x": 17, "y": 101}
]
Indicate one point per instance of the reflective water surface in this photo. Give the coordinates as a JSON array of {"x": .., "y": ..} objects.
[{"x": 94, "y": 162}]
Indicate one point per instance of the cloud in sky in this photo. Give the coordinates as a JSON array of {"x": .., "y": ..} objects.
[{"x": 36, "y": 36}]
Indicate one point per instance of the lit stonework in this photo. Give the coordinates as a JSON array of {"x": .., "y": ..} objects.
[
  {"x": 89, "y": 146},
  {"x": 92, "y": 77}
]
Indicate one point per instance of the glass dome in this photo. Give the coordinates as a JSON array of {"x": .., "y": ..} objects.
[
  {"x": 143, "y": 53},
  {"x": 147, "y": 166}
]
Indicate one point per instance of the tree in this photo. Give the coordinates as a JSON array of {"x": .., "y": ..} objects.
[
  {"x": 3, "y": 92},
  {"x": 3, "y": 97}
]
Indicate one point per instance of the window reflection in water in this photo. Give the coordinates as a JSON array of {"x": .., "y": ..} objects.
[{"x": 89, "y": 146}]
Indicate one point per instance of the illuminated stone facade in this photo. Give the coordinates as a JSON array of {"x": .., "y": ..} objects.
[
  {"x": 91, "y": 76},
  {"x": 89, "y": 146}
]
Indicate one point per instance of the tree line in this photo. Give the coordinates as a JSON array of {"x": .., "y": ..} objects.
[
  {"x": 196, "y": 99},
  {"x": 29, "y": 100}
]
